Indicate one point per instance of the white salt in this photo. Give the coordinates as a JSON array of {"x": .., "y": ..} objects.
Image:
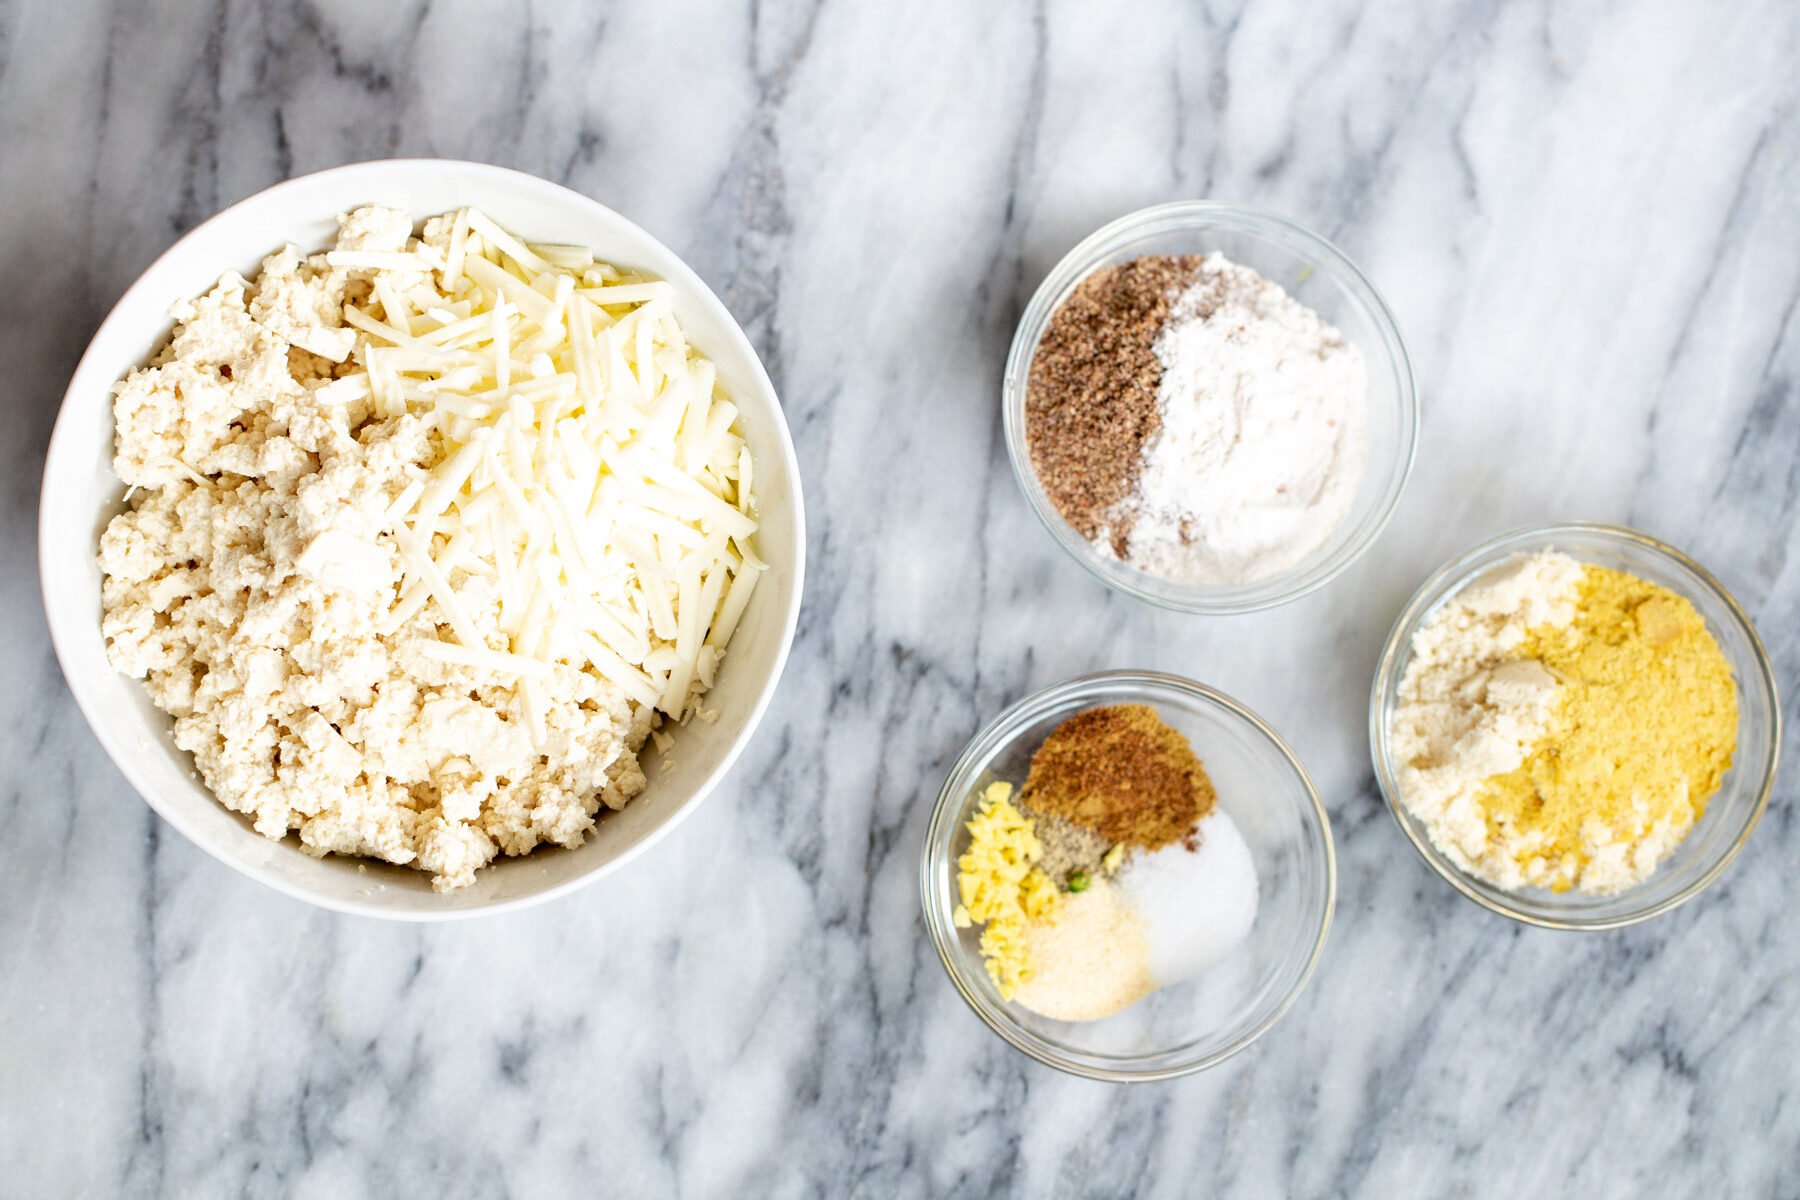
[{"x": 1197, "y": 905}]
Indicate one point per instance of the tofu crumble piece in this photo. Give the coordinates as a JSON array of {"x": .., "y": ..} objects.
[{"x": 425, "y": 536}]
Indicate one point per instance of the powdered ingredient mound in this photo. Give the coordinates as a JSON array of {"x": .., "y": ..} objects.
[
  {"x": 1090, "y": 399},
  {"x": 1642, "y": 738},
  {"x": 1089, "y": 963},
  {"x": 1123, "y": 773},
  {"x": 1068, "y": 847}
]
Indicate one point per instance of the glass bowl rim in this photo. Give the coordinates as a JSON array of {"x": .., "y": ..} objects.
[
  {"x": 940, "y": 833},
  {"x": 1435, "y": 590},
  {"x": 1191, "y": 214}
]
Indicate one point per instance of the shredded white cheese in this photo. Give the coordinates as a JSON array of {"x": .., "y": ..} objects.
[{"x": 613, "y": 505}]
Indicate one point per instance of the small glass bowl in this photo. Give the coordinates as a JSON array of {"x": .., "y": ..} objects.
[
  {"x": 1312, "y": 271},
  {"x": 1192, "y": 1025},
  {"x": 1730, "y": 815}
]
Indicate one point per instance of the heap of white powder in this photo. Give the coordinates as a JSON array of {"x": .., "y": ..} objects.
[
  {"x": 1198, "y": 904},
  {"x": 1263, "y": 439},
  {"x": 1469, "y": 711}
]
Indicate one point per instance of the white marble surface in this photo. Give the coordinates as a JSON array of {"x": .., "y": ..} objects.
[{"x": 1587, "y": 219}]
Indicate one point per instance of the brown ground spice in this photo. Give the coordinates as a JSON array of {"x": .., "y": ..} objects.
[
  {"x": 1090, "y": 399},
  {"x": 1123, "y": 773}
]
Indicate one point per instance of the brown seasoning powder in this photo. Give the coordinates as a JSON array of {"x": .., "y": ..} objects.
[
  {"x": 1090, "y": 398},
  {"x": 1123, "y": 773}
]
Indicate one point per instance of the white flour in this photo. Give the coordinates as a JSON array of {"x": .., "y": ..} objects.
[{"x": 1263, "y": 439}]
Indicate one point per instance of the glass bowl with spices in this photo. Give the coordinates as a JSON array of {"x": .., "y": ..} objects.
[
  {"x": 1128, "y": 876},
  {"x": 1575, "y": 725},
  {"x": 1210, "y": 407}
]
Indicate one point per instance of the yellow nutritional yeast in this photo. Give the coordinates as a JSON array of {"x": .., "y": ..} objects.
[
  {"x": 1643, "y": 731},
  {"x": 1001, "y": 887}
]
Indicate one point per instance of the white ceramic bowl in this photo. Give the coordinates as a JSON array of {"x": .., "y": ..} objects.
[{"x": 81, "y": 493}]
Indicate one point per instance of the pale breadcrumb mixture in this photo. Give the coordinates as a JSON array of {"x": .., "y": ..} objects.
[
  {"x": 248, "y": 580},
  {"x": 1470, "y": 709}
]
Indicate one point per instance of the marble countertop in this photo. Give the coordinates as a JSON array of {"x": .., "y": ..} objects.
[{"x": 1585, "y": 219}]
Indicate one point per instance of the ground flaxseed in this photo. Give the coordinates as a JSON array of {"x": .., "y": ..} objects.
[{"x": 1090, "y": 398}]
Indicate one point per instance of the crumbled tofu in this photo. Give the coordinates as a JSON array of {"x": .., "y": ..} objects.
[
  {"x": 250, "y": 579},
  {"x": 302, "y": 302},
  {"x": 374, "y": 228}
]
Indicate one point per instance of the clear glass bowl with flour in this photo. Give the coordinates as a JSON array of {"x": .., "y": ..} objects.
[
  {"x": 1182, "y": 1027},
  {"x": 1269, "y": 551},
  {"x": 1730, "y": 814}
]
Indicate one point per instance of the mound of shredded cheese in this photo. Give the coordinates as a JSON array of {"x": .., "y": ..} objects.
[
  {"x": 590, "y": 467},
  {"x": 1001, "y": 887}
]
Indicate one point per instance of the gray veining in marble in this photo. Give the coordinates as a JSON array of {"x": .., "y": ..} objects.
[{"x": 1587, "y": 218}]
